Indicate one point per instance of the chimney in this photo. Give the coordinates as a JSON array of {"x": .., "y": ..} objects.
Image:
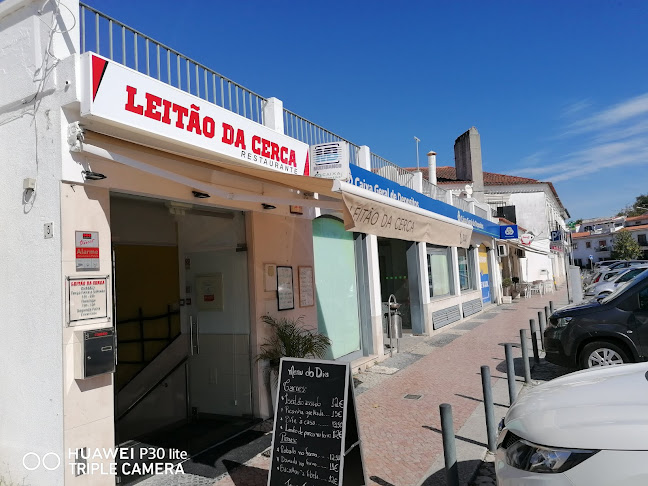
[
  {"x": 468, "y": 161},
  {"x": 432, "y": 167}
]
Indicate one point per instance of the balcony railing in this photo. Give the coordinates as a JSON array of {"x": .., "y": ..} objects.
[
  {"x": 435, "y": 192},
  {"x": 391, "y": 171},
  {"x": 602, "y": 248},
  {"x": 115, "y": 40}
]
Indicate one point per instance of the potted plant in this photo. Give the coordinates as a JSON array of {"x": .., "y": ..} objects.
[
  {"x": 289, "y": 339},
  {"x": 506, "y": 286}
]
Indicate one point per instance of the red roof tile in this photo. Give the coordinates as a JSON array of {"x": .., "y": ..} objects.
[
  {"x": 448, "y": 175},
  {"x": 639, "y": 227},
  {"x": 635, "y": 218},
  {"x": 582, "y": 234}
]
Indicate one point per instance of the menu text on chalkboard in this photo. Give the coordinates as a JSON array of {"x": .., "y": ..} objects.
[{"x": 314, "y": 442}]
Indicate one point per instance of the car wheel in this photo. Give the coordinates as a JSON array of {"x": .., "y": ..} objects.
[{"x": 600, "y": 353}]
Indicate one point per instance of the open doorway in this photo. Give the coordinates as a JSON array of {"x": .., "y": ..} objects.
[{"x": 183, "y": 377}]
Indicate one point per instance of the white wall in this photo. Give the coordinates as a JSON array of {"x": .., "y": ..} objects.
[{"x": 31, "y": 380}]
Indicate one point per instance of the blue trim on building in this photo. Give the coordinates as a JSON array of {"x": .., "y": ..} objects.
[{"x": 373, "y": 182}]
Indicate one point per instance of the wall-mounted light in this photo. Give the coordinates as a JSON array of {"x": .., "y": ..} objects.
[
  {"x": 200, "y": 195},
  {"x": 92, "y": 176},
  {"x": 268, "y": 206}
]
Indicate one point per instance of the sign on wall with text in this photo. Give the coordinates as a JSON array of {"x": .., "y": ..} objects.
[{"x": 131, "y": 100}]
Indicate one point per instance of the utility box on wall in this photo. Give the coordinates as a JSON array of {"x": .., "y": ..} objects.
[{"x": 94, "y": 353}]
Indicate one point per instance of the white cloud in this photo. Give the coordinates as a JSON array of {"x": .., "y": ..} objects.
[
  {"x": 614, "y": 115},
  {"x": 614, "y": 137}
]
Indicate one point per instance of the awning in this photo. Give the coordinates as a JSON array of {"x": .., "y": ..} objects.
[
  {"x": 196, "y": 173},
  {"x": 517, "y": 244},
  {"x": 367, "y": 212}
]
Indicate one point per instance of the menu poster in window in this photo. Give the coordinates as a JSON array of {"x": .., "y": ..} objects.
[
  {"x": 210, "y": 292},
  {"x": 306, "y": 294},
  {"x": 285, "y": 293},
  {"x": 316, "y": 439}
]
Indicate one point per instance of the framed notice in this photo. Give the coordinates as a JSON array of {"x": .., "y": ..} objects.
[
  {"x": 285, "y": 292},
  {"x": 269, "y": 277},
  {"x": 87, "y": 300},
  {"x": 306, "y": 292},
  {"x": 210, "y": 292}
]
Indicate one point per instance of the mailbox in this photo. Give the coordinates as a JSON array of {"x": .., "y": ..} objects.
[{"x": 94, "y": 353}]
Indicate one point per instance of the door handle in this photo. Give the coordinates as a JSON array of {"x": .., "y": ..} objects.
[
  {"x": 191, "y": 343},
  {"x": 197, "y": 336}
]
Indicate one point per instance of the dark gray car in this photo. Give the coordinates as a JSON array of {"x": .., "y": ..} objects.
[{"x": 612, "y": 331}]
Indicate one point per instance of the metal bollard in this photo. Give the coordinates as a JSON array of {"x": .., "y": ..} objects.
[
  {"x": 541, "y": 323},
  {"x": 547, "y": 314},
  {"x": 488, "y": 409},
  {"x": 534, "y": 341},
  {"x": 525, "y": 356},
  {"x": 510, "y": 372},
  {"x": 449, "y": 446},
  {"x": 551, "y": 306}
]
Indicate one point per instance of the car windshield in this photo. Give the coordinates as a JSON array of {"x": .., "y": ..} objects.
[
  {"x": 629, "y": 275},
  {"x": 622, "y": 288}
]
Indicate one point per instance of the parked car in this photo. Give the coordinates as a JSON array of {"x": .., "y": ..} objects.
[
  {"x": 602, "y": 276},
  {"x": 604, "y": 263},
  {"x": 611, "y": 331},
  {"x": 586, "y": 428},
  {"x": 627, "y": 263},
  {"x": 603, "y": 289}
]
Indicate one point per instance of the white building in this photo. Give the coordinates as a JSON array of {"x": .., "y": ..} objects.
[
  {"x": 594, "y": 238},
  {"x": 529, "y": 203}
]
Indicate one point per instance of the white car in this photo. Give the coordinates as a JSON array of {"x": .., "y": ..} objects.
[
  {"x": 587, "y": 428},
  {"x": 605, "y": 288}
]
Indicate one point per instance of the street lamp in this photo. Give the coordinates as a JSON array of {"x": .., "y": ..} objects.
[{"x": 417, "y": 153}]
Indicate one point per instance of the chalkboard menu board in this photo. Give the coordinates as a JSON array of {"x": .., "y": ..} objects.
[{"x": 315, "y": 440}]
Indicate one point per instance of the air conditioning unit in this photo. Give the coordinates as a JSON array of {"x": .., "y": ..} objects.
[
  {"x": 502, "y": 250},
  {"x": 330, "y": 160}
]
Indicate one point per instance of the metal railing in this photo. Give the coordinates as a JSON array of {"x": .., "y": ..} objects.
[
  {"x": 482, "y": 213},
  {"x": 300, "y": 128},
  {"x": 141, "y": 53},
  {"x": 460, "y": 203},
  {"x": 391, "y": 171},
  {"x": 435, "y": 192}
]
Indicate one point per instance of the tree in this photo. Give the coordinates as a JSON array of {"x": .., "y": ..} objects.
[
  {"x": 625, "y": 246},
  {"x": 639, "y": 207}
]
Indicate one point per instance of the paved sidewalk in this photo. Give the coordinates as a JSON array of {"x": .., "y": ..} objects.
[{"x": 401, "y": 437}]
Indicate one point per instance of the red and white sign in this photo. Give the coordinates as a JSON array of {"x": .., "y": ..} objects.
[
  {"x": 131, "y": 100},
  {"x": 87, "y": 250},
  {"x": 526, "y": 239}
]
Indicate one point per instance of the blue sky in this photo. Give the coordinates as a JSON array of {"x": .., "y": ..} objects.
[{"x": 557, "y": 89}]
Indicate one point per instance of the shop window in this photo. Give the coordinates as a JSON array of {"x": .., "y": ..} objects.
[
  {"x": 439, "y": 270},
  {"x": 466, "y": 269}
]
